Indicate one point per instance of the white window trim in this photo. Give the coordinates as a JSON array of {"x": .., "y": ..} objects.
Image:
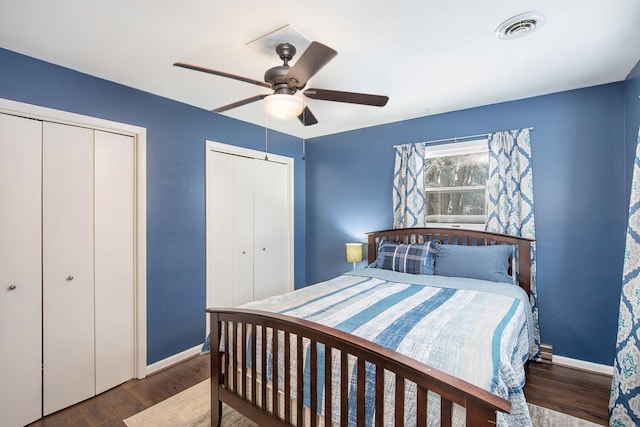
[{"x": 456, "y": 149}]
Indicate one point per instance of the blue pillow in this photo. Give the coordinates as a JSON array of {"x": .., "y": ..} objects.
[
  {"x": 477, "y": 262},
  {"x": 417, "y": 258}
]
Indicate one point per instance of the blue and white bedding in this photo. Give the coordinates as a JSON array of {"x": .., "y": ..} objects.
[{"x": 476, "y": 330}]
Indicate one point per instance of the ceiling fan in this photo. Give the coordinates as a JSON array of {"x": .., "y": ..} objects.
[{"x": 286, "y": 80}]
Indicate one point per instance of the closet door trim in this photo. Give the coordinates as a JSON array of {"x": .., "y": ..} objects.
[{"x": 139, "y": 135}]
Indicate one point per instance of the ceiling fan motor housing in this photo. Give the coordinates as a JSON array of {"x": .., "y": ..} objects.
[{"x": 275, "y": 76}]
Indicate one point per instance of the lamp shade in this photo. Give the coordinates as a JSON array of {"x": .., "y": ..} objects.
[
  {"x": 284, "y": 106},
  {"x": 354, "y": 252}
]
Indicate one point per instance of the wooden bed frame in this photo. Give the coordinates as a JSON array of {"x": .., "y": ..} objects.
[{"x": 256, "y": 399}]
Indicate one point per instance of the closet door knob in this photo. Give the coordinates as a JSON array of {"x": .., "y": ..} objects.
[
  {"x": 69, "y": 278},
  {"x": 244, "y": 252},
  {"x": 11, "y": 287}
]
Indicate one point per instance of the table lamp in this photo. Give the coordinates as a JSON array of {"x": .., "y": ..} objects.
[{"x": 354, "y": 253}]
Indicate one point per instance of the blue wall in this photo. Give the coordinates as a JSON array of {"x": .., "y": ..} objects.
[
  {"x": 580, "y": 189},
  {"x": 583, "y": 148},
  {"x": 632, "y": 117},
  {"x": 175, "y": 184}
]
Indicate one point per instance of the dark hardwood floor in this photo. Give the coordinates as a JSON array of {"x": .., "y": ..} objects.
[
  {"x": 582, "y": 394},
  {"x": 113, "y": 406},
  {"x": 579, "y": 393}
]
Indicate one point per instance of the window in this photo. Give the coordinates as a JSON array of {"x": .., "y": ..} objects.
[{"x": 455, "y": 179}]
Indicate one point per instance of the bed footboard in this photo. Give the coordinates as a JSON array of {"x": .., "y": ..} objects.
[{"x": 271, "y": 343}]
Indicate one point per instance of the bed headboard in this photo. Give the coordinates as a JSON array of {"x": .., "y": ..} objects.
[{"x": 458, "y": 236}]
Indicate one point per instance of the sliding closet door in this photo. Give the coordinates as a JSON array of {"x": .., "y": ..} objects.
[
  {"x": 271, "y": 228},
  {"x": 114, "y": 255},
  {"x": 20, "y": 271},
  {"x": 68, "y": 273}
]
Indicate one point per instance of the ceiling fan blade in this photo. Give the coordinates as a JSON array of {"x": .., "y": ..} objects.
[
  {"x": 307, "y": 118},
  {"x": 312, "y": 60},
  {"x": 221, "y": 73},
  {"x": 239, "y": 103},
  {"x": 350, "y": 97}
]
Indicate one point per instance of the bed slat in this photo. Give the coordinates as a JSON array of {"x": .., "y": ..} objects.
[
  {"x": 233, "y": 381},
  {"x": 361, "y": 384},
  {"x": 313, "y": 382},
  {"x": 274, "y": 368},
  {"x": 263, "y": 362},
  {"x": 446, "y": 408},
  {"x": 300, "y": 377},
  {"x": 421, "y": 407},
  {"x": 379, "y": 395},
  {"x": 226, "y": 361},
  {"x": 287, "y": 377},
  {"x": 399, "y": 401},
  {"x": 328, "y": 374},
  {"x": 254, "y": 361},
  {"x": 344, "y": 398},
  {"x": 244, "y": 361}
]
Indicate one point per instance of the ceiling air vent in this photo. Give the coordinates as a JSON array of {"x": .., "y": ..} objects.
[{"x": 520, "y": 25}]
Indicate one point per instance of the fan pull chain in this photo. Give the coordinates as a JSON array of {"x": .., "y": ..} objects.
[
  {"x": 266, "y": 135},
  {"x": 304, "y": 121}
]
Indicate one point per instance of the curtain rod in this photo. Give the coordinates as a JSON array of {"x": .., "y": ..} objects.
[{"x": 455, "y": 139}]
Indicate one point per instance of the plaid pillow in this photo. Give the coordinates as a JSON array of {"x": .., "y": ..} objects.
[{"x": 417, "y": 258}]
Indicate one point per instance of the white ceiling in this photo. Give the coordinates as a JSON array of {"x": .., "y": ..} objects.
[{"x": 428, "y": 56}]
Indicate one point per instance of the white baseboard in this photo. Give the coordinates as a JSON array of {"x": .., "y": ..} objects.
[
  {"x": 582, "y": 364},
  {"x": 172, "y": 360}
]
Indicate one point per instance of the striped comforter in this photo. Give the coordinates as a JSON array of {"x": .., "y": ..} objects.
[{"x": 476, "y": 330}]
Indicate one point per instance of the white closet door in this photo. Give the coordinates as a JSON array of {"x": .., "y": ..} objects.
[
  {"x": 20, "y": 270},
  {"x": 242, "y": 229},
  {"x": 271, "y": 229},
  {"x": 220, "y": 257},
  {"x": 114, "y": 254},
  {"x": 68, "y": 273}
]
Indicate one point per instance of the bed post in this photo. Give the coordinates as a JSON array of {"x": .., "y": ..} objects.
[
  {"x": 216, "y": 369},
  {"x": 371, "y": 248},
  {"x": 479, "y": 415},
  {"x": 524, "y": 265}
]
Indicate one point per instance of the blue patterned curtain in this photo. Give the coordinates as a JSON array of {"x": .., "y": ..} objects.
[
  {"x": 624, "y": 404},
  {"x": 510, "y": 195},
  {"x": 510, "y": 199},
  {"x": 409, "y": 201}
]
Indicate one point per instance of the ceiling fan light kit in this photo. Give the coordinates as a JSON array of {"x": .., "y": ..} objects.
[
  {"x": 283, "y": 106},
  {"x": 286, "y": 80}
]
